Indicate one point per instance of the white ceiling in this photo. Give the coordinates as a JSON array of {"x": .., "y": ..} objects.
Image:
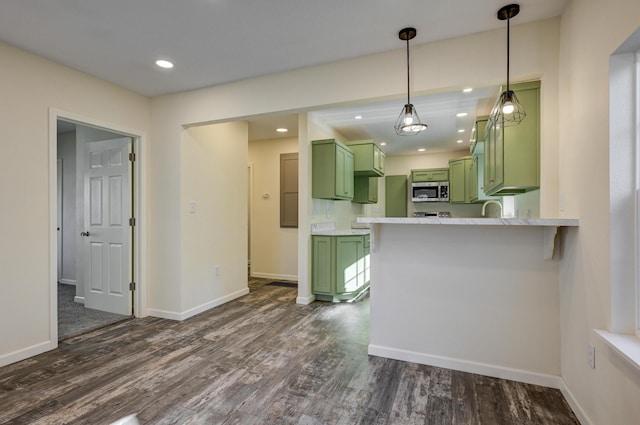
[
  {"x": 215, "y": 42},
  {"x": 439, "y": 111}
]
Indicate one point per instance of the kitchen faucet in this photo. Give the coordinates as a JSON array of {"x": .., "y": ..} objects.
[{"x": 492, "y": 201}]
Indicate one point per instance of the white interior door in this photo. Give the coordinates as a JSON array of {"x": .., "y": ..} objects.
[{"x": 106, "y": 238}]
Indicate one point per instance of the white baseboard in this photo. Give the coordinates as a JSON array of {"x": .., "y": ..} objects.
[
  {"x": 25, "y": 353},
  {"x": 274, "y": 276},
  {"x": 79, "y": 300},
  {"x": 68, "y": 282},
  {"x": 575, "y": 406},
  {"x": 305, "y": 300},
  {"x": 535, "y": 378},
  {"x": 172, "y": 315}
]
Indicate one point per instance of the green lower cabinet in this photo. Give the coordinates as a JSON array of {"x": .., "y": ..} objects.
[
  {"x": 341, "y": 267},
  {"x": 395, "y": 196},
  {"x": 365, "y": 190}
]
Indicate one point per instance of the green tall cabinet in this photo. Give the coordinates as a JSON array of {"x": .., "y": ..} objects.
[
  {"x": 332, "y": 170},
  {"x": 512, "y": 154},
  {"x": 340, "y": 266},
  {"x": 395, "y": 196}
]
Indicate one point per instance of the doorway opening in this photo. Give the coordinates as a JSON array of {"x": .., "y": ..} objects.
[{"x": 96, "y": 230}]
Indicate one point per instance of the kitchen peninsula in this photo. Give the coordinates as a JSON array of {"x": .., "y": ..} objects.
[{"x": 474, "y": 294}]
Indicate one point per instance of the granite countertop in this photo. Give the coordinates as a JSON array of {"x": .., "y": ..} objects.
[{"x": 473, "y": 221}]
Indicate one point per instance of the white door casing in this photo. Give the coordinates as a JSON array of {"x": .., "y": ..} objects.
[
  {"x": 107, "y": 235},
  {"x": 59, "y": 213}
]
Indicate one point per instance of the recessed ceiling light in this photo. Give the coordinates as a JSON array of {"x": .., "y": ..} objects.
[
  {"x": 461, "y": 130},
  {"x": 459, "y": 141},
  {"x": 282, "y": 130},
  {"x": 467, "y": 90},
  {"x": 461, "y": 114},
  {"x": 421, "y": 150},
  {"x": 383, "y": 144},
  {"x": 358, "y": 117},
  {"x": 162, "y": 63}
]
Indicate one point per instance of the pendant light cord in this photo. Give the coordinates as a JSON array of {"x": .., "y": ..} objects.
[
  {"x": 408, "y": 91},
  {"x": 508, "y": 49}
]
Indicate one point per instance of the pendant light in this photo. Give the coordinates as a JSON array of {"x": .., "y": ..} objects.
[
  {"x": 408, "y": 123},
  {"x": 508, "y": 110}
]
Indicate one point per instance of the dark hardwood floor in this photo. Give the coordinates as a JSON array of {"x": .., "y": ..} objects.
[{"x": 260, "y": 359}]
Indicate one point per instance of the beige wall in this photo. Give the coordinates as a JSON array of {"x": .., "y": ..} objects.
[
  {"x": 274, "y": 249},
  {"x": 591, "y": 31},
  {"x": 213, "y": 210},
  {"x": 30, "y": 87}
]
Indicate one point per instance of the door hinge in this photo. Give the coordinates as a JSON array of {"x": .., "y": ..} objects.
[
  {"x": 132, "y": 221},
  {"x": 132, "y": 156},
  {"x": 132, "y": 286}
]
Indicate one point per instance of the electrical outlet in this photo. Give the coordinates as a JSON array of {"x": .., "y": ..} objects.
[{"x": 591, "y": 356}]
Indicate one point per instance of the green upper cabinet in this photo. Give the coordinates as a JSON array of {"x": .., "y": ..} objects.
[
  {"x": 430, "y": 175},
  {"x": 476, "y": 179},
  {"x": 512, "y": 154},
  {"x": 478, "y": 133},
  {"x": 460, "y": 179},
  {"x": 368, "y": 158},
  {"x": 332, "y": 170},
  {"x": 365, "y": 190}
]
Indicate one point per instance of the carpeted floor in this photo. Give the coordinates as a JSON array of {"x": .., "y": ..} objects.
[{"x": 74, "y": 319}]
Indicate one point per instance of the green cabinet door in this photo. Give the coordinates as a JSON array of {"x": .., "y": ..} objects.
[
  {"x": 459, "y": 176},
  {"x": 349, "y": 263},
  {"x": 478, "y": 134},
  {"x": 368, "y": 158},
  {"x": 365, "y": 190},
  {"x": 512, "y": 154},
  {"x": 430, "y": 175},
  {"x": 477, "y": 192},
  {"x": 323, "y": 274},
  {"x": 395, "y": 196},
  {"x": 332, "y": 170},
  {"x": 472, "y": 178},
  {"x": 340, "y": 266}
]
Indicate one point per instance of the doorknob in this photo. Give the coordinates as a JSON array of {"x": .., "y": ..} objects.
[{"x": 85, "y": 234}]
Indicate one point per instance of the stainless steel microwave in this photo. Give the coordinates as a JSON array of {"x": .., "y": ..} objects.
[{"x": 430, "y": 192}]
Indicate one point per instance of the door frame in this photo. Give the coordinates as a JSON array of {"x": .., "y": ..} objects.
[{"x": 139, "y": 248}]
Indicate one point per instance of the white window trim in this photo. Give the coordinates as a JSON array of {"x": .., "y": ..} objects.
[
  {"x": 623, "y": 335},
  {"x": 636, "y": 90}
]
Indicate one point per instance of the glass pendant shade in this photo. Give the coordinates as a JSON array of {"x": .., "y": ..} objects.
[
  {"x": 408, "y": 122},
  {"x": 508, "y": 111}
]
